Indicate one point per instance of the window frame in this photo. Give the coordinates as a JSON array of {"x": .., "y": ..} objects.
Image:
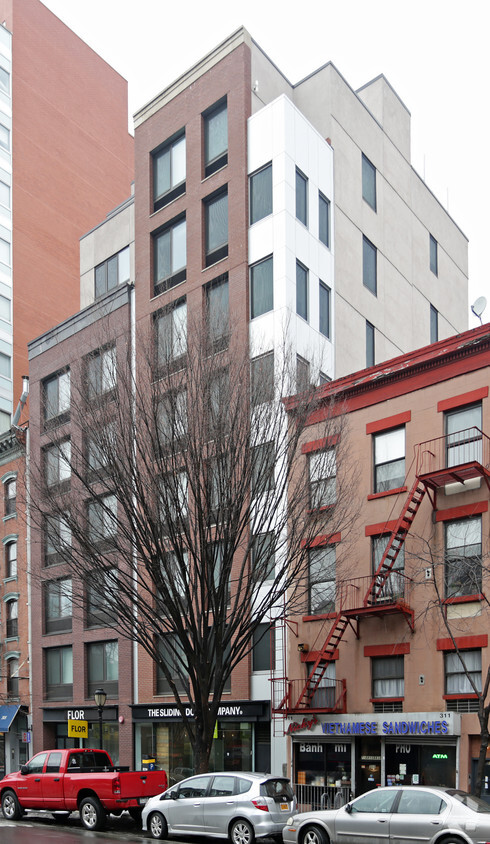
[
  {"x": 370, "y": 344},
  {"x": 254, "y": 268},
  {"x": 380, "y": 485},
  {"x": 106, "y": 515},
  {"x": 11, "y": 560},
  {"x": 323, "y": 479},
  {"x": 98, "y": 613},
  {"x": 10, "y": 496},
  {"x": 176, "y": 275},
  {"x": 220, "y": 160},
  {"x": 49, "y": 521},
  {"x": 177, "y": 188},
  {"x": 213, "y": 253},
  {"x": 102, "y": 276},
  {"x": 176, "y": 315},
  {"x": 301, "y": 196},
  {"x": 217, "y": 326},
  {"x": 111, "y": 686},
  {"x": 56, "y": 456},
  {"x": 262, "y": 379},
  {"x": 56, "y": 591},
  {"x": 397, "y": 677},
  {"x": 62, "y": 398},
  {"x": 433, "y": 255},
  {"x": 369, "y": 265},
  {"x": 61, "y": 690},
  {"x": 97, "y": 370},
  {"x": 12, "y": 616},
  {"x": 369, "y": 186},
  {"x": 325, "y": 331},
  {"x": 452, "y": 525},
  {"x": 454, "y": 656},
  {"x": 261, "y": 178},
  {"x": 302, "y": 291},
  {"x": 264, "y": 647},
  {"x": 321, "y": 588},
  {"x": 434, "y": 324},
  {"x": 469, "y": 446},
  {"x": 324, "y": 219}
]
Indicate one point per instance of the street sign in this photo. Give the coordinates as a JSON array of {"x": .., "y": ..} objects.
[
  {"x": 77, "y": 729},
  {"x": 26, "y": 737}
]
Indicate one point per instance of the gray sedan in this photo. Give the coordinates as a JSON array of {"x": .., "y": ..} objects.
[{"x": 396, "y": 815}]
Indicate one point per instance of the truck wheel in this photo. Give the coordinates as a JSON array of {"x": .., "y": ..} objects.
[
  {"x": 10, "y": 806},
  {"x": 92, "y": 814},
  {"x": 157, "y": 825}
]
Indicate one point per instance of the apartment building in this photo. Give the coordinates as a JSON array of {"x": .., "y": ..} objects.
[
  {"x": 66, "y": 159},
  {"x": 376, "y": 692}
]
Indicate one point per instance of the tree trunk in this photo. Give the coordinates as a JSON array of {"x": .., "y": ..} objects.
[{"x": 482, "y": 758}]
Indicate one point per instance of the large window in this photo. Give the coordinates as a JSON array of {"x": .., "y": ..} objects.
[
  {"x": 463, "y": 435},
  {"x": 263, "y": 557},
  {"x": 171, "y": 334},
  {"x": 215, "y": 120},
  {"x": 262, "y": 379},
  {"x": 324, "y": 320},
  {"x": 261, "y": 287},
  {"x": 395, "y": 584},
  {"x": 458, "y": 671},
  {"x": 101, "y": 372},
  {"x": 59, "y": 673},
  {"x": 11, "y": 559},
  {"x": 12, "y": 677},
  {"x": 261, "y": 194},
  {"x": 100, "y": 598},
  {"x": 324, "y": 219},
  {"x": 171, "y": 654},
  {"x": 433, "y": 257},
  {"x": 301, "y": 290},
  {"x": 303, "y": 380},
  {"x": 101, "y": 450},
  {"x": 169, "y": 169},
  {"x": 322, "y": 568},
  {"x": 56, "y": 397},
  {"x": 102, "y": 519},
  {"x": 112, "y": 272},
  {"x": 217, "y": 314},
  {"x": 463, "y": 557},
  {"x": 263, "y": 459},
  {"x": 172, "y": 588},
  {"x": 216, "y": 226},
  {"x": 10, "y": 496},
  {"x": 172, "y": 419},
  {"x": 389, "y": 460},
  {"x": 301, "y": 197},
  {"x": 102, "y": 668},
  {"x": 4, "y": 137},
  {"x": 58, "y": 605},
  {"x": 369, "y": 182},
  {"x": 264, "y": 647},
  {"x": 369, "y": 266},
  {"x": 388, "y": 676},
  {"x": 322, "y": 468},
  {"x": 57, "y": 538},
  {"x": 12, "y": 613},
  {"x": 169, "y": 255},
  {"x": 57, "y": 468}
]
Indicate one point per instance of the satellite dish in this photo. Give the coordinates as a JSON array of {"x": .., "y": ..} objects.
[{"x": 479, "y": 306}]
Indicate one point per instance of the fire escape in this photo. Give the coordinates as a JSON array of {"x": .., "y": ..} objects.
[{"x": 453, "y": 459}]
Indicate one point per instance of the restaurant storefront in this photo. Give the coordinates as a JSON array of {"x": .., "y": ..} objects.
[{"x": 336, "y": 757}]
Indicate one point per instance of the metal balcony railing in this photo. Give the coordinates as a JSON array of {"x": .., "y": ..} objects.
[{"x": 453, "y": 450}]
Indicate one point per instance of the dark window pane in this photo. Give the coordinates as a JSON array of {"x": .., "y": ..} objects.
[
  {"x": 261, "y": 288},
  {"x": 369, "y": 268},
  {"x": 301, "y": 290},
  {"x": 324, "y": 310},
  {"x": 370, "y": 351},
  {"x": 301, "y": 197},
  {"x": 433, "y": 254},
  {"x": 324, "y": 219},
  {"x": 261, "y": 194},
  {"x": 369, "y": 182}
]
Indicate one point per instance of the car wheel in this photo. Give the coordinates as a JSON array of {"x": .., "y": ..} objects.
[
  {"x": 242, "y": 832},
  {"x": 314, "y": 835},
  {"x": 157, "y": 825},
  {"x": 10, "y": 806},
  {"x": 92, "y": 814}
]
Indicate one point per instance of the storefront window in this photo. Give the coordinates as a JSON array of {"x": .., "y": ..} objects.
[
  {"x": 322, "y": 774},
  {"x": 170, "y": 746},
  {"x": 110, "y": 739},
  {"x": 414, "y": 764}
]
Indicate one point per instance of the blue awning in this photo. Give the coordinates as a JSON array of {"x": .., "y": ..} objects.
[{"x": 7, "y": 715}]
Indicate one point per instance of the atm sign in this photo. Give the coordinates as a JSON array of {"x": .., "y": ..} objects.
[{"x": 77, "y": 729}]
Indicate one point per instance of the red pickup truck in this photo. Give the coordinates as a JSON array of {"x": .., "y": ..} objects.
[{"x": 83, "y": 780}]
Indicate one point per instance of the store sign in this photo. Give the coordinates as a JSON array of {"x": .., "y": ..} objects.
[
  {"x": 305, "y": 724},
  {"x": 77, "y": 729},
  {"x": 235, "y": 711},
  {"x": 386, "y": 728}
]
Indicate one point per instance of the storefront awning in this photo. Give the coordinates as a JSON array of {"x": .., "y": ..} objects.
[{"x": 7, "y": 715}]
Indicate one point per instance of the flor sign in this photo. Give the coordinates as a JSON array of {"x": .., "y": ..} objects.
[{"x": 77, "y": 729}]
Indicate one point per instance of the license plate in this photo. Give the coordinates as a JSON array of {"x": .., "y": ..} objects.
[
  {"x": 284, "y": 807},
  {"x": 142, "y": 801}
]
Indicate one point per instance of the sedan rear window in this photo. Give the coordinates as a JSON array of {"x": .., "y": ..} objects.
[
  {"x": 277, "y": 789},
  {"x": 472, "y": 802}
]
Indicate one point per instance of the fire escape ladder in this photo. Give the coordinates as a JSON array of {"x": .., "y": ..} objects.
[
  {"x": 395, "y": 543},
  {"x": 324, "y": 657}
]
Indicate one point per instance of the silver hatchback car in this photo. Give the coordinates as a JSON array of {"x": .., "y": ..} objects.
[{"x": 239, "y": 806}]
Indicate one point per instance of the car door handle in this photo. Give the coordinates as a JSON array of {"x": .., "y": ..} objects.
[
  {"x": 197, "y": 804},
  {"x": 56, "y": 779},
  {"x": 381, "y": 820},
  {"x": 38, "y": 779},
  {"x": 436, "y": 823}
]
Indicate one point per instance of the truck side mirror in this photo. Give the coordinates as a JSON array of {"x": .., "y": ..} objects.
[{"x": 24, "y": 769}]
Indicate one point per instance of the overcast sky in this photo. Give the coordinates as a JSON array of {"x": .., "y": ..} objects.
[{"x": 433, "y": 52}]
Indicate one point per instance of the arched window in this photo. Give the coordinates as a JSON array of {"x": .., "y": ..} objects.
[
  {"x": 11, "y": 558},
  {"x": 12, "y": 618},
  {"x": 13, "y": 677}
]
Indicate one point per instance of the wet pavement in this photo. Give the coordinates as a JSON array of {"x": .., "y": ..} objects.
[{"x": 42, "y": 829}]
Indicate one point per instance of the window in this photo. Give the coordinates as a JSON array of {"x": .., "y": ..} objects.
[
  {"x": 171, "y": 334},
  {"x": 369, "y": 182},
  {"x": 101, "y": 372},
  {"x": 261, "y": 194},
  {"x": 11, "y": 559},
  {"x": 217, "y": 314},
  {"x": 10, "y": 491},
  {"x": 463, "y": 557},
  {"x": 463, "y": 435},
  {"x": 169, "y": 169},
  {"x": 264, "y": 647},
  {"x": 4, "y": 194},
  {"x": 301, "y": 197},
  {"x": 4, "y": 80},
  {"x": 322, "y": 468},
  {"x": 102, "y": 519},
  {"x": 13, "y": 677},
  {"x": 263, "y": 459},
  {"x": 389, "y": 460},
  {"x": 218, "y": 488},
  {"x": 369, "y": 266},
  {"x": 172, "y": 656},
  {"x": 422, "y": 802},
  {"x": 262, "y": 379},
  {"x": 216, "y": 227},
  {"x": 395, "y": 585},
  {"x": 321, "y": 581},
  {"x": 324, "y": 309},
  {"x": 301, "y": 290},
  {"x": 102, "y": 668},
  {"x": 459, "y": 668},
  {"x": 325, "y": 695},
  {"x": 324, "y": 219},
  {"x": 172, "y": 418},
  {"x": 58, "y": 605},
  {"x": 101, "y": 450},
  {"x": 59, "y": 673},
  {"x": 218, "y": 403},
  {"x": 100, "y": 594},
  {"x": 112, "y": 272},
  {"x": 54, "y": 763},
  {"x": 169, "y": 255},
  {"x": 370, "y": 345},
  {"x": 302, "y": 375},
  {"x": 263, "y": 557},
  {"x": 4, "y": 137},
  {"x": 219, "y": 574},
  {"x": 388, "y": 676},
  {"x": 56, "y": 397},
  {"x": 12, "y": 612},
  {"x": 434, "y": 325},
  {"x": 5, "y": 365},
  {"x": 261, "y": 288},
  {"x": 57, "y": 538},
  {"x": 57, "y": 468},
  {"x": 172, "y": 588},
  {"x": 174, "y": 501},
  {"x": 433, "y": 255},
  {"x": 215, "y": 137}
]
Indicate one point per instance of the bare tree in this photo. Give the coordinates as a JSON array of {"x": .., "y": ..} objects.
[{"x": 176, "y": 501}]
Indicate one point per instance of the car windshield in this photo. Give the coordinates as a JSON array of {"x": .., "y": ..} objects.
[
  {"x": 472, "y": 802},
  {"x": 278, "y": 789}
]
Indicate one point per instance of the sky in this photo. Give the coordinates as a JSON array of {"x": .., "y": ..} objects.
[{"x": 434, "y": 53}]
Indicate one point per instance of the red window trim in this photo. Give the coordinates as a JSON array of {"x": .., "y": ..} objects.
[
  {"x": 463, "y": 643},
  {"x": 320, "y": 617},
  {"x": 396, "y": 491},
  {"x": 387, "y": 650},
  {"x": 461, "y": 400},
  {"x": 319, "y": 445},
  {"x": 465, "y": 599},
  {"x": 462, "y": 511},
  {"x": 386, "y": 699},
  {"x": 389, "y": 422},
  {"x": 380, "y": 529},
  {"x": 468, "y": 696},
  {"x": 321, "y": 539}
]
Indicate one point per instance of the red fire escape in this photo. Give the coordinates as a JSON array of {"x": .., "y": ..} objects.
[{"x": 456, "y": 458}]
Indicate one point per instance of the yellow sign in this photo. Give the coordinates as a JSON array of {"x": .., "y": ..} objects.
[{"x": 77, "y": 729}]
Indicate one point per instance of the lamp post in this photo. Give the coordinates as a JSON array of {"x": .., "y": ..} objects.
[{"x": 100, "y": 698}]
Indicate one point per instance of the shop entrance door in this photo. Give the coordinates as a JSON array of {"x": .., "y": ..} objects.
[
  {"x": 368, "y": 763},
  {"x": 485, "y": 792}
]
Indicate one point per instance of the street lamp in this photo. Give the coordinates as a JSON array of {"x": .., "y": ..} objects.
[{"x": 100, "y": 698}]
